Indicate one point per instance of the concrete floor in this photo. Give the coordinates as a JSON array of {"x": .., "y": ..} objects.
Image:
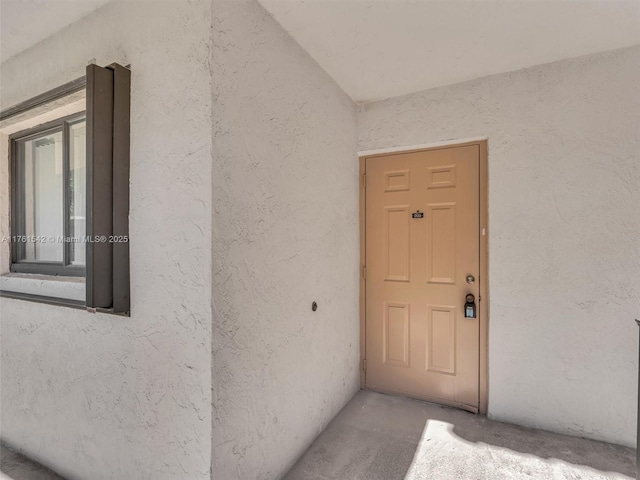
[
  {"x": 14, "y": 466},
  {"x": 382, "y": 437}
]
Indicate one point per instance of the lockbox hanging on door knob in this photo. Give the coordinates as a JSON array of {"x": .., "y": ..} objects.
[{"x": 470, "y": 306}]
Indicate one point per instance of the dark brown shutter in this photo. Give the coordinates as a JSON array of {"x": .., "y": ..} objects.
[{"x": 108, "y": 106}]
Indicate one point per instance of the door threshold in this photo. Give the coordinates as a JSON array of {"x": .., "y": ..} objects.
[{"x": 437, "y": 401}]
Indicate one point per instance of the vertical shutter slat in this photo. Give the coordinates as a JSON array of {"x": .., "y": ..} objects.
[
  {"x": 121, "y": 129},
  {"x": 99, "y": 187}
]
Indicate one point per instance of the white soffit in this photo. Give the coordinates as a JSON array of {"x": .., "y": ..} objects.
[
  {"x": 23, "y": 23},
  {"x": 376, "y": 49}
]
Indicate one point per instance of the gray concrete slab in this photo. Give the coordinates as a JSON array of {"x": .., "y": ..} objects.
[
  {"x": 382, "y": 437},
  {"x": 14, "y": 466}
]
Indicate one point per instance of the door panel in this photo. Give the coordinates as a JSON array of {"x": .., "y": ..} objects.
[
  {"x": 396, "y": 334},
  {"x": 441, "y": 339},
  {"x": 396, "y": 248},
  {"x": 441, "y": 244},
  {"x": 418, "y": 341}
]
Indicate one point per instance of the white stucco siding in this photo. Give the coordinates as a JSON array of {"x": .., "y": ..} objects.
[
  {"x": 564, "y": 190},
  {"x": 107, "y": 397},
  {"x": 285, "y": 234}
]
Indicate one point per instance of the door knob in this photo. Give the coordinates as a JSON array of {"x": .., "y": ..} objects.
[{"x": 470, "y": 279}]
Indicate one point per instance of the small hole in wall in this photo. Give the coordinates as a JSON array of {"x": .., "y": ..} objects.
[{"x": 314, "y": 306}]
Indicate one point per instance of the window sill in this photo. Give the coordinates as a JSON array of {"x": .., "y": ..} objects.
[{"x": 59, "y": 288}]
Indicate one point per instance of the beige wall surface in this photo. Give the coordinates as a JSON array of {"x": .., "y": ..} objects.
[
  {"x": 564, "y": 263},
  {"x": 285, "y": 234},
  {"x": 244, "y": 210},
  {"x": 107, "y": 397}
]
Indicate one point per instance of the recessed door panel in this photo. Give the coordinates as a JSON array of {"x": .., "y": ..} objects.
[
  {"x": 397, "y": 243},
  {"x": 441, "y": 176},
  {"x": 396, "y": 334},
  {"x": 441, "y": 243},
  {"x": 441, "y": 340},
  {"x": 396, "y": 181}
]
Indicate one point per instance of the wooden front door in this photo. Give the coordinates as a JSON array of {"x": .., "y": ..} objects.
[{"x": 422, "y": 260}]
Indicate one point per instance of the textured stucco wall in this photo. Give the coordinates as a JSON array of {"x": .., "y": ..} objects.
[
  {"x": 564, "y": 191},
  {"x": 4, "y": 204},
  {"x": 106, "y": 397},
  {"x": 285, "y": 233}
]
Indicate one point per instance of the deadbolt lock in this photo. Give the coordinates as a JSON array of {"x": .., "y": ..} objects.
[{"x": 471, "y": 279}]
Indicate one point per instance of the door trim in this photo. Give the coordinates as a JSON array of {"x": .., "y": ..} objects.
[
  {"x": 423, "y": 146},
  {"x": 483, "y": 281}
]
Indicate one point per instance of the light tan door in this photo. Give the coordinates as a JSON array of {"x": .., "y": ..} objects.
[{"x": 418, "y": 341}]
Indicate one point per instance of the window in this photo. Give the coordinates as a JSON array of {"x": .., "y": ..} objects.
[
  {"x": 48, "y": 195},
  {"x": 69, "y": 203}
]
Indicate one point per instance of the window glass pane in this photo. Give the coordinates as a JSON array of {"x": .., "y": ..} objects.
[
  {"x": 78, "y": 194},
  {"x": 42, "y": 177}
]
